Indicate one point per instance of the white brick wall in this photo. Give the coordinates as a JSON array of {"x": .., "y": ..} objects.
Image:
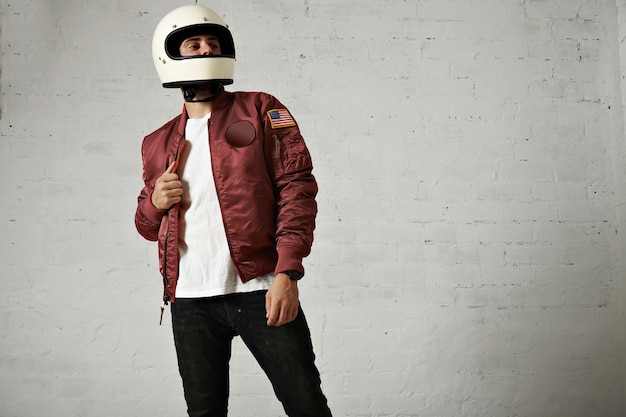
[{"x": 469, "y": 257}]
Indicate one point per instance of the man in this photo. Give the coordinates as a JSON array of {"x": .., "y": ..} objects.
[{"x": 230, "y": 197}]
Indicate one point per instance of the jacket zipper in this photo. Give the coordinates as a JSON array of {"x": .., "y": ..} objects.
[{"x": 166, "y": 297}]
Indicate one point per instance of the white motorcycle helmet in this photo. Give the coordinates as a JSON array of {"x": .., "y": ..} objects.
[{"x": 176, "y": 71}]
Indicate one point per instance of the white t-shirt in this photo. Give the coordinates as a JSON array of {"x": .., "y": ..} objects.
[{"x": 205, "y": 266}]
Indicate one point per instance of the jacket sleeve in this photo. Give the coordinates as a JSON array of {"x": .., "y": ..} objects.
[
  {"x": 295, "y": 187},
  {"x": 147, "y": 217}
]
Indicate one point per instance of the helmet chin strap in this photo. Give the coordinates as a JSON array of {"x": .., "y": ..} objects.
[{"x": 190, "y": 92}]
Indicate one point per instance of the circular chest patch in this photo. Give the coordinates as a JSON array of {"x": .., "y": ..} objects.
[{"x": 240, "y": 134}]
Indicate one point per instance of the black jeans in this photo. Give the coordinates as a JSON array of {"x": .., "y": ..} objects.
[{"x": 203, "y": 333}]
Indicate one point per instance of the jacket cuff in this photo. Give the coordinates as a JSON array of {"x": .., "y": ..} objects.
[
  {"x": 150, "y": 212},
  {"x": 289, "y": 259}
]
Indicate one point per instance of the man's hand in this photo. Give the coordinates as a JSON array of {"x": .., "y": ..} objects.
[
  {"x": 281, "y": 301},
  {"x": 168, "y": 189}
]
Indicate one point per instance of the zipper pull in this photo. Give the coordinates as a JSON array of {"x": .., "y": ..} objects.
[
  {"x": 178, "y": 154},
  {"x": 162, "y": 310}
]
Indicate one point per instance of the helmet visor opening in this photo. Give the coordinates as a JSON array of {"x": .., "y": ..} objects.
[{"x": 176, "y": 38}]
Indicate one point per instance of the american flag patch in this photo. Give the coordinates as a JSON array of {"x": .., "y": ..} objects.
[{"x": 280, "y": 118}]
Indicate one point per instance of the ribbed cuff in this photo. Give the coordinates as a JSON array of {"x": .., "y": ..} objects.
[
  {"x": 150, "y": 212},
  {"x": 289, "y": 259}
]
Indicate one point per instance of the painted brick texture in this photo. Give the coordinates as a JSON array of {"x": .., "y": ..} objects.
[{"x": 469, "y": 257}]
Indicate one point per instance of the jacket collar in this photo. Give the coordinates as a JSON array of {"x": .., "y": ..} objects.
[
  {"x": 182, "y": 122},
  {"x": 222, "y": 100}
]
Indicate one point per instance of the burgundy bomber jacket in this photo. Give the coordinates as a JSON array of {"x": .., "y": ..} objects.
[{"x": 263, "y": 177}]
